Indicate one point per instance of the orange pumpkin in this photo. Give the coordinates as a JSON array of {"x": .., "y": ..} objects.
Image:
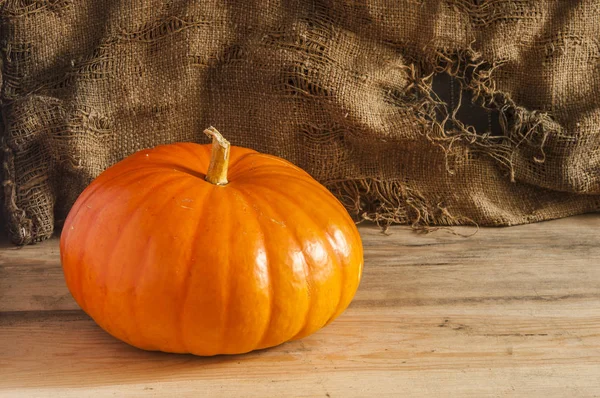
[{"x": 169, "y": 250}]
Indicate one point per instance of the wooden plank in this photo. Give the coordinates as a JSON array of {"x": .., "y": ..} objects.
[
  {"x": 541, "y": 381},
  {"x": 374, "y": 351},
  {"x": 507, "y": 312},
  {"x": 545, "y": 261},
  {"x": 31, "y": 278}
]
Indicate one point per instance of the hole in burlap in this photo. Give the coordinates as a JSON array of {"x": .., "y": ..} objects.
[
  {"x": 458, "y": 104},
  {"x": 466, "y": 111},
  {"x": 301, "y": 80},
  {"x": 159, "y": 30}
]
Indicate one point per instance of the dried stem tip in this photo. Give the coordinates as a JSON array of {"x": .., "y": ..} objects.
[{"x": 219, "y": 159}]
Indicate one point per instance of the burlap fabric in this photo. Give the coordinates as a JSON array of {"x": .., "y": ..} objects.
[{"x": 419, "y": 112}]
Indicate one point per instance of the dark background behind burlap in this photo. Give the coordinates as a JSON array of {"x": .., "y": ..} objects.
[{"x": 360, "y": 94}]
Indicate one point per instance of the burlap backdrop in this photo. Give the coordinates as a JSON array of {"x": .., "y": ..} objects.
[{"x": 373, "y": 98}]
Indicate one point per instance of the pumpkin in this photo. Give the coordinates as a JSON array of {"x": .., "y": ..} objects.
[{"x": 209, "y": 249}]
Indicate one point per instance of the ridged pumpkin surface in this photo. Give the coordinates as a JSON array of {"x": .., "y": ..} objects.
[{"x": 164, "y": 260}]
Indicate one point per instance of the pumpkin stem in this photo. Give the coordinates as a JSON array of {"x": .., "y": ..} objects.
[{"x": 219, "y": 158}]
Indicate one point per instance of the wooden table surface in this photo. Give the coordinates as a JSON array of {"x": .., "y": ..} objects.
[{"x": 506, "y": 312}]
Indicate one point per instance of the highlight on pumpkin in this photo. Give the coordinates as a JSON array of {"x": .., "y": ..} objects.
[{"x": 219, "y": 158}]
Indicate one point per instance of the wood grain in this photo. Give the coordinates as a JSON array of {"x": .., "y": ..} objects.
[{"x": 506, "y": 312}]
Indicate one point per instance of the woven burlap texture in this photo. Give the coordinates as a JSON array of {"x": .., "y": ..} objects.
[{"x": 344, "y": 89}]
